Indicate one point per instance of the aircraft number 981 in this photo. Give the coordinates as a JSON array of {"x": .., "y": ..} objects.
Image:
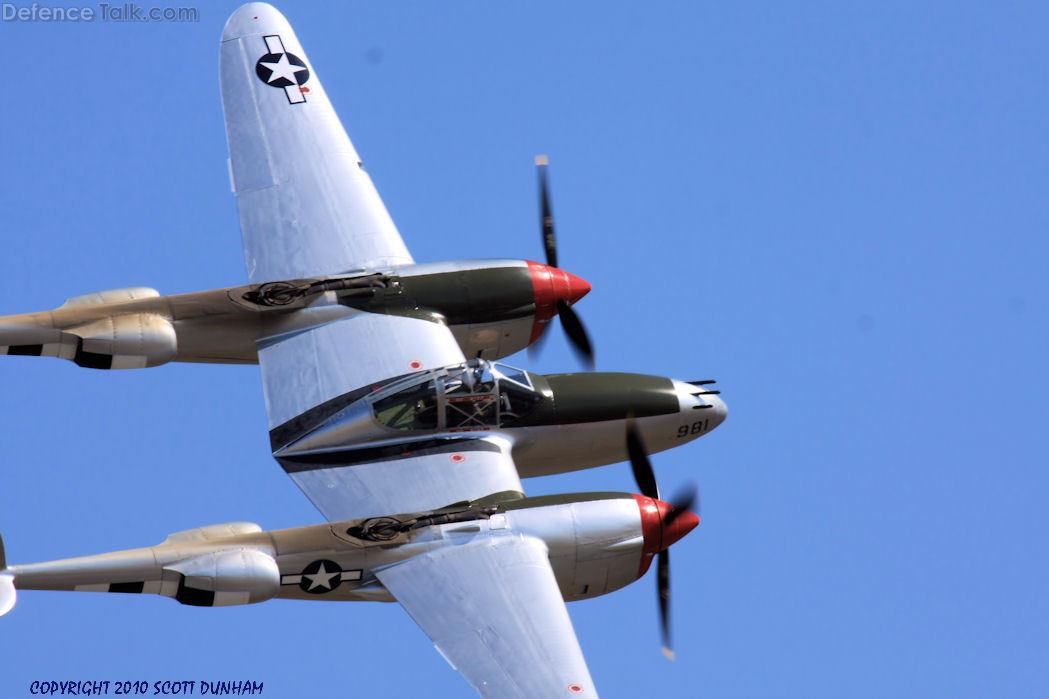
[{"x": 696, "y": 427}]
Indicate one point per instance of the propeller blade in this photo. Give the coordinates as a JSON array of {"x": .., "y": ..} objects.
[
  {"x": 642, "y": 467},
  {"x": 546, "y": 216},
  {"x": 536, "y": 348},
  {"x": 573, "y": 326},
  {"x": 681, "y": 504},
  {"x": 575, "y": 331},
  {"x": 663, "y": 582}
]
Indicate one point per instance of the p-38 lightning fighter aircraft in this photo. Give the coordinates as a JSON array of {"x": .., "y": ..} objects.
[{"x": 380, "y": 402}]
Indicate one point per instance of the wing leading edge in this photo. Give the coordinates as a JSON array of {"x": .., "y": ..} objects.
[
  {"x": 493, "y": 609},
  {"x": 307, "y": 207}
]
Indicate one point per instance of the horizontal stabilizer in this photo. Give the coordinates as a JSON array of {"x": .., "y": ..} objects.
[
  {"x": 7, "y": 583},
  {"x": 7, "y": 592}
]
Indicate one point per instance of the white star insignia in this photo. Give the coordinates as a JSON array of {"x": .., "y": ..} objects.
[
  {"x": 322, "y": 578},
  {"x": 282, "y": 69}
]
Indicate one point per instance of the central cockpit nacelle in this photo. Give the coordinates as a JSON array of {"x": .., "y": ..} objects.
[{"x": 476, "y": 395}]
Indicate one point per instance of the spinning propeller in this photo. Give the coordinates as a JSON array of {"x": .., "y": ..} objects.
[
  {"x": 680, "y": 505},
  {"x": 570, "y": 321}
]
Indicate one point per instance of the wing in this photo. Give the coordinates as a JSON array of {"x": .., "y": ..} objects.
[
  {"x": 406, "y": 477},
  {"x": 344, "y": 359},
  {"x": 493, "y": 609},
  {"x": 307, "y": 207},
  {"x": 315, "y": 377}
]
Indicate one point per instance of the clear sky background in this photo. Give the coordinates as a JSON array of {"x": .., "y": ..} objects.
[{"x": 837, "y": 210}]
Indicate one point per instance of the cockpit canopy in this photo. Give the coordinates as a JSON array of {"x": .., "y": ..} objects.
[{"x": 476, "y": 395}]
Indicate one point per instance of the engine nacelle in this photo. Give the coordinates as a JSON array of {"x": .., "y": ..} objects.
[
  {"x": 225, "y": 578},
  {"x": 125, "y": 342}
]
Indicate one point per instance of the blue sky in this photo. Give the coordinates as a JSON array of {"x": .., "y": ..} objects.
[{"x": 836, "y": 210}]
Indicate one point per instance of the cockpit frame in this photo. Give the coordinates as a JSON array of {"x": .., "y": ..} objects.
[{"x": 475, "y": 395}]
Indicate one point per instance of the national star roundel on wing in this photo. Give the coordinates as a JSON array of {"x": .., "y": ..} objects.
[{"x": 282, "y": 70}]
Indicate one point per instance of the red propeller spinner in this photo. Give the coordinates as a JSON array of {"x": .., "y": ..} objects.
[
  {"x": 661, "y": 531},
  {"x": 552, "y": 285}
]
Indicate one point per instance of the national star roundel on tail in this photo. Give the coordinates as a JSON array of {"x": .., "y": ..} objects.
[{"x": 279, "y": 68}]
